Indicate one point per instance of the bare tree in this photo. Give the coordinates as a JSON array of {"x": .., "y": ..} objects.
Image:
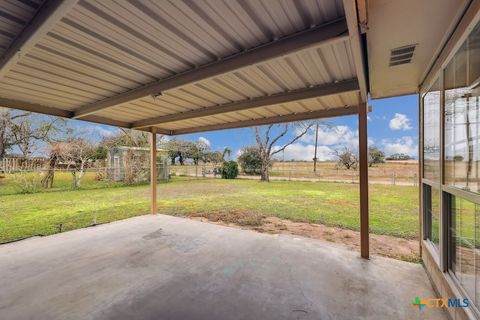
[
  {"x": 76, "y": 153},
  {"x": 54, "y": 156},
  {"x": 266, "y": 142},
  {"x": 7, "y": 119},
  {"x": 25, "y": 130},
  {"x": 127, "y": 138},
  {"x": 28, "y": 130},
  {"x": 347, "y": 158}
]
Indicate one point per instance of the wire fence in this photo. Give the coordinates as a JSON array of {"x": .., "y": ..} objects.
[
  {"x": 45, "y": 180},
  {"x": 388, "y": 176}
]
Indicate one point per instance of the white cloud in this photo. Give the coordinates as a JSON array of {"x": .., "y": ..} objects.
[
  {"x": 97, "y": 130},
  {"x": 335, "y": 137},
  {"x": 204, "y": 141},
  {"x": 406, "y": 145},
  {"x": 400, "y": 122},
  {"x": 332, "y": 135},
  {"x": 301, "y": 152}
]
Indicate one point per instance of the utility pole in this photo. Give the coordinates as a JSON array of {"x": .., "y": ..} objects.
[{"x": 315, "y": 157}]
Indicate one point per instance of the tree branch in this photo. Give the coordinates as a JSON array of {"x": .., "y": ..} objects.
[
  {"x": 293, "y": 140},
  {"x": 284, "y": 132},
  {"x": 267, "y": 134}
]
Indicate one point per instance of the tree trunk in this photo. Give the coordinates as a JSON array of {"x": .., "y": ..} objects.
[
  {"x": 265, "y": 169},
  {"x": 74, "y": 179},
  {"x": 47, "y": 181},
  {"x": 78, "y": 178}
]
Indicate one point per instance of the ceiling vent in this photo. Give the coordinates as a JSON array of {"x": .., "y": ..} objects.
[{"x": 402, "y": 55}]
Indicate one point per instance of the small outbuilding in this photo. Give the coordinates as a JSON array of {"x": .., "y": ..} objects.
[{"x": 132, "y": 164}]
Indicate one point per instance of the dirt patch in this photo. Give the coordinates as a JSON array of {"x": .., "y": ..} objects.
[
  {"x": 240, "y": 217},
  {"x": 387, "y": 246}
]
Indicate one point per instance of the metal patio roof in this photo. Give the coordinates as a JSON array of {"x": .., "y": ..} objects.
[{"x": 182, "y": 66}]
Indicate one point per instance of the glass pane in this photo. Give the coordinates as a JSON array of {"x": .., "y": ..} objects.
[
  {"x": 432, "y": 214},
  {"x": 431, "y": 132},
  {"x": 465, "y": 255},
  {"x": 462, "y": 116},
  {"x": 474, "y": 54},
  {"x": 435, "y": 212}
]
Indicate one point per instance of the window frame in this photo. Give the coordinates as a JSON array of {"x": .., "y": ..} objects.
[{"x": 437, "y": 252}]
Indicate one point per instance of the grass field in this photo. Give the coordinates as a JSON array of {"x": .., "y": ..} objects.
[
  {"x": 16, "y": 183},
  {"x": 394, "y": 209}
]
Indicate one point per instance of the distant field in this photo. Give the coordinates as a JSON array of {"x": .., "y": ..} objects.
[{"x": 405, "y": 171}]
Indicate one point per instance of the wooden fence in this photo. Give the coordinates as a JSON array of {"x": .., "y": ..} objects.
[{"x": 9, "y": 165}]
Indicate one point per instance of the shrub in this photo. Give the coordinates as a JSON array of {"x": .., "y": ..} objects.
[
  {"x": 375, "y": 156},
  {"x": 229, "y": 170},
  {"x": 27, "y": 182},
  {"x": 250, "y": 160}
]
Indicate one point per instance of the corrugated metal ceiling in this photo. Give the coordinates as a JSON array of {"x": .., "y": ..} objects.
[
  {"x": 104, "y": 48},
  {"x": 14, "y": 16}
]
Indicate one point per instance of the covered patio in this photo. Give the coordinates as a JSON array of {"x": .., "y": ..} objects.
[{"x": 184, "y": 67}]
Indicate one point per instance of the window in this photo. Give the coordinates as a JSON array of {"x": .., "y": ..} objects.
[
  {"x": 462, "y": 157},
  {"x": 431, "y": 133},
  {"x": 462, "y": 117},
  {"x": 464, "y": 245},
  {"x": 431, "y": 200}
]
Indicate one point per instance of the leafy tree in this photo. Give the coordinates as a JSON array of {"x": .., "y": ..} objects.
[
  {"x": 346, "y": 158},
  {"x": 399, "y": 156},
  {"x": 375, "y": 156},
  {"x": 229, "y": 170},
  {"x": 266, "y": 142},
  {"x": 177, "y": 148},
  {"x": 196, "y": 151},
  {"x": 250, "y": 160},
  {"x": 214, "y": 157},
  {"x": 100, "y": 153},
  {"x": 226, "y": 153}
]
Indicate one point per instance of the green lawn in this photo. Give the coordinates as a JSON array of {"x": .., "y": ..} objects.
[
  {"x": 394, "y": 209},
  {"x": 31, "y": 182}
]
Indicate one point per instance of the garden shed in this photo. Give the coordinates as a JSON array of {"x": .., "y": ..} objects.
[{"x": 132, "y": 164}]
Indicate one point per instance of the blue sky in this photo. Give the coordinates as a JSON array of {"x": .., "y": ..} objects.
[{"x": 392, "y": 127}]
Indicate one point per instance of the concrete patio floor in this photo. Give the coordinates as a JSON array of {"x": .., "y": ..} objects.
[{"x": 163, "y": 267}]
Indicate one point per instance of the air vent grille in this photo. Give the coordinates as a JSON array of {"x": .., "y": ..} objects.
[{"x": 402, "y": 55}]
